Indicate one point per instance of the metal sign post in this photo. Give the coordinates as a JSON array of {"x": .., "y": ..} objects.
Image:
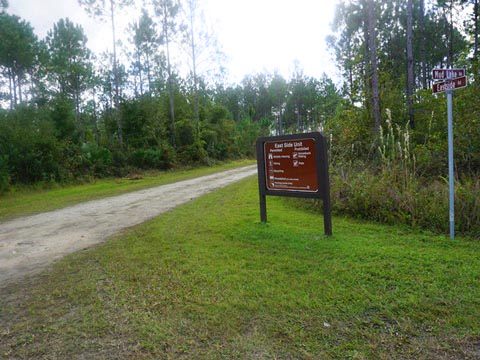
[
  {"x": 451, "y": 177},
  {"x": 452, "y": 79}
]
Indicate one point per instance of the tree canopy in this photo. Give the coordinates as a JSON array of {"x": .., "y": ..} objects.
[{"x": 102, "y": 113}]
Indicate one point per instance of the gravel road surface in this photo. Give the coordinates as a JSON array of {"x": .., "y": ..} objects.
[{"x": 28, "y": 244}]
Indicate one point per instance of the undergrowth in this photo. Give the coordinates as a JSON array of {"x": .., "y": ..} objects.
[
  {"x": 399, "y": 182},
  {"x": 379, "y": 196}
]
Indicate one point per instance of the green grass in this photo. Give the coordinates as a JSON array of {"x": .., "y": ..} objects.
[
  {"x": 25, "y": 201},
  {"x": 209, "y": 281}
]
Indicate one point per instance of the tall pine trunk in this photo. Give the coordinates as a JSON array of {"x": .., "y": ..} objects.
[
  {"x": 280, "y": 120},
  {"x": 192, "y": 9},
  {"x": 10, "y": 88},
  {"x": 140, "y": 79},
  {"x": 475, "y": 42},
  {"x": 115, "y": 78},
  {"x": 475, "y": 36},
  {"x": 373, "y": 64},
  {"x": 423, "y": 52},
  {"x": 195, "y": 81},
  {"x": 449, "y": 31},
  {"x": 169, "y": 70},
  {"x": 410, "y": 63},
  {"x": 149, "y": 76},
  {"x": 450, "y": 50},
  {"x": 19, "y": 83},
  {"x": 14, "y": 82}
]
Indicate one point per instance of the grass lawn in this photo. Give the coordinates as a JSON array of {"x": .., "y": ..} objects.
[
  {"x": 209, "y": 281},
  {"x": 25, "y": 201}
]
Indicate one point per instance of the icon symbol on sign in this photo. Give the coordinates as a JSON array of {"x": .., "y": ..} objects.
[
  {"x": 295, "y": 155},
  {"x": 295, "y": 163}
]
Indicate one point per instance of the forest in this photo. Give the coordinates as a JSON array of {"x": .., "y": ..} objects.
[{"x": 68, "y": 114}]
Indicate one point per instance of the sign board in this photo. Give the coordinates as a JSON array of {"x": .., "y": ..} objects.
[
  {"x": 291, "y": 165},
  {"x": 294, "y": 166},
  {"x": 450, "y": 85},
  {"x": 444, "y": 74}
]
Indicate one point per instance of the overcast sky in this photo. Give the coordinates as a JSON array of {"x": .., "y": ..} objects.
[{"x": 256, "y": 35}]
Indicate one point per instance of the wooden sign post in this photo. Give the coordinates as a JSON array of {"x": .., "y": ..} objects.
[{"x": 294, "y": 166}]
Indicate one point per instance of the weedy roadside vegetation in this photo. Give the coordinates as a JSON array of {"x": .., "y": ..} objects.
[{"x": 400, "y": 176}]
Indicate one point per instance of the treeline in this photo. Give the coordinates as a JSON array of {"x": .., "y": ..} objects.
[{"x": 70, "y": 114}]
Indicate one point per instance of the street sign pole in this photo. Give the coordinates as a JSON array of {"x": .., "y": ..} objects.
[
  {"x": 451, "y": 79},
  {"x": 451, "y": 178}
]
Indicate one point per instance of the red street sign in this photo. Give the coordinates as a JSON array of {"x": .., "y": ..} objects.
[
  {"x": 447, "y": 85},
  {"x": 444, "y": 74},
  {"x": 291, "y": 165}
]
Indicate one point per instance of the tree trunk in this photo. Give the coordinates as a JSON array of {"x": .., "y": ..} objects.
[
  {"x": 149, "y": 76},
  {"x": 95, "y": 124},
  {"x": 170, "y": 79},
  {"x": 19, "y": 83},
  {"x": 423, "y": 52},
  {"x": 449, "y": 32},
  {"x": 280, "y": 120},
  {"x": 475, "y": 42},
  {"x": 115, "y": 78},
  {"x": 194, "y": 65},
  {"x": 78, "y": 119},
  {"x": 373, "y": 64},
  {"x": 195, "y": 86},
  {"x": 350, "y": 81},
  {"x": 299, "y": 118},
  {"x": 10, "y": 88},
  {"x": 410, "y": 76},
  {"x": 139, "y": 67},
  {"x": 450, "y": 50},
  {"x": 367, "y": 56},
  {"x": 14, "y": 82},
  {"x": 475, "y": 36}
]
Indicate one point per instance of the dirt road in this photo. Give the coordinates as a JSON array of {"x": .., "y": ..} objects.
[{"x": 30, "y": 243}]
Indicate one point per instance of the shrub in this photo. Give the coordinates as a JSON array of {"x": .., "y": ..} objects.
[
  {"x": 100, "y": 159},
  {"x": 467, "y": 204},
  {"x": 4, "y": 174},
  {"x": 383, "y": 197},
  {"x": 161, "y": 159},
  {"x": 194, "y": 153}
]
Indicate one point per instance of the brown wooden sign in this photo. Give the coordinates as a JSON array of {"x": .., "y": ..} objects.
[{"x": 295, "y": 166}]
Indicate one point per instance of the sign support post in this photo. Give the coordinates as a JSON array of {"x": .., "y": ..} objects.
[
  {"x": 451, "y": 177},
  {"x": 450, "y": 79}
]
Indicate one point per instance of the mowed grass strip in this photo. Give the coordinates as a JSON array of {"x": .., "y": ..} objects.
[
  {"x": 209, "y": 281},
  {"x": 27, "y": 201}
]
